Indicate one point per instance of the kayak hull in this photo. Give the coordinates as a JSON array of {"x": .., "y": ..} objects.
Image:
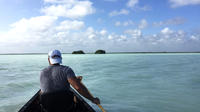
[{"x": 33, "y": 105}]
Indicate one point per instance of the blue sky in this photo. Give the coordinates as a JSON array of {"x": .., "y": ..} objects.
[{"x": 113, "y": 25}]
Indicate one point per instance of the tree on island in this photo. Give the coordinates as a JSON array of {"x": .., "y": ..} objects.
[
  {"x": 78, "y": 52},
  {"x": 100, "y": 52}
]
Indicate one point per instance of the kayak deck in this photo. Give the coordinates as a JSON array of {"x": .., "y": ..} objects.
[{"x": 33, "y": 105}]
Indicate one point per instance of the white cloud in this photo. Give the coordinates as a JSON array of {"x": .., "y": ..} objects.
[
  {"x": 143, "y": 8},
  {"x": 143, "y": 24},
  {"x": 194, "y": 38},
  {"x": 122, "y": 38},
  {"x": 28, "y": 30},
  {"x": 38, "y": 33},
  {"x": 166, "y": 31},
  {"x": 121, "y": 12},
  {"x": 135, "y": 33},
  {"x": 70, "y": 25},
  {"x": 173, "y": 21},
  {"x": 69, "y": 9},
  {"x": 90, "y": 33},
  {"x": 132, "y": 3},
  {"x": 39, "y": 23},
  {"x": 103, "y": 32},
  {"x": 91, "y": 36},
  {"x": 110, "y": 37},
  {"x": 125, "y": 23},
  {"x": 179, "y": 3},
  {"x": 169, "y": 36}
]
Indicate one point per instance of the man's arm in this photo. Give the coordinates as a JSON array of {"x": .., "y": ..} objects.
[{"x": 76, "y": 84}]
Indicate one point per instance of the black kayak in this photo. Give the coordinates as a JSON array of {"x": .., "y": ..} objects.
[{"x": 33, "y": 105}]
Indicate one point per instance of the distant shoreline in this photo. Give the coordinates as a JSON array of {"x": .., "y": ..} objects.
[{"x": 93, "y": 53}]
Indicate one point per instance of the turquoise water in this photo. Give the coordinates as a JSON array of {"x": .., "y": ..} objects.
[{"x": 123, "y": 82}]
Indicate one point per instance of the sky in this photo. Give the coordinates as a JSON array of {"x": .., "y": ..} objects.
[{"x": 38, "y": 26}]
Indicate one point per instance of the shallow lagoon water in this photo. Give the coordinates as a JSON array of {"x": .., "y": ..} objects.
[{"x": 168, "y": 82}]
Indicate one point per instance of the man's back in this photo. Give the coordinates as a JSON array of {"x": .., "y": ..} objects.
[{"x": 55, "y": 78}]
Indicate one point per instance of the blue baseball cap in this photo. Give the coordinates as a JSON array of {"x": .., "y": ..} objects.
[{"x": 55, "y": 57}]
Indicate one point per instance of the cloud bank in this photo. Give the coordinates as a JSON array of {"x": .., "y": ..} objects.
[
  {"x": 179, "y": 3},
  {"x": 49, "y": 31},
  {"x": 68, "y": 8}
]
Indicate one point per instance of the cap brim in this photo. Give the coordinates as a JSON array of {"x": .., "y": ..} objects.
[{"x": 56, "y": 60}]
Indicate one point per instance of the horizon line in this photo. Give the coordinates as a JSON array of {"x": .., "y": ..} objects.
[{"x": 106, "y": 53}]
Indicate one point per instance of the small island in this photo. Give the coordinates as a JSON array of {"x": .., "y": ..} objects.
[
  {"x": 78, "y": 52},
  {"x": 100, "y": 52}
]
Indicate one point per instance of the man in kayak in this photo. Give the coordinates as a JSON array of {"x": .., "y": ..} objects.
[{"x": 55, "y": 81}]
